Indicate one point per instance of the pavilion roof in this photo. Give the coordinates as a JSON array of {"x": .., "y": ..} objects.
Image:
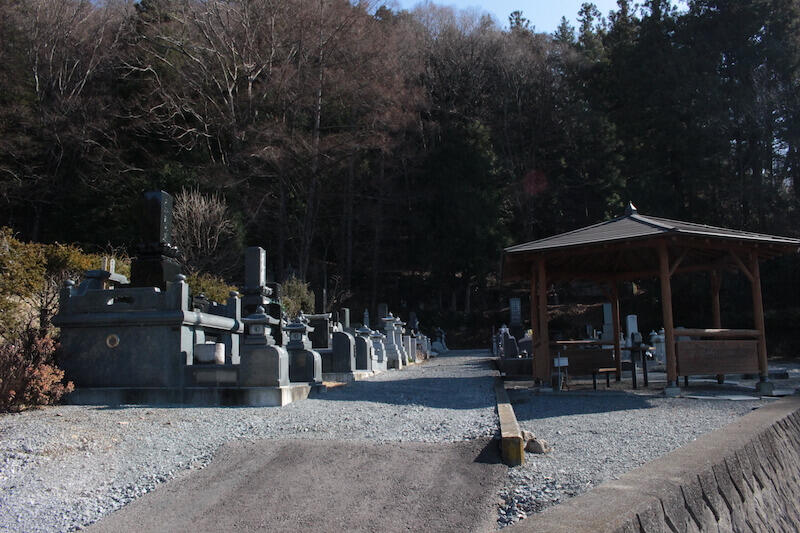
[{"x": 614, "y": 249}]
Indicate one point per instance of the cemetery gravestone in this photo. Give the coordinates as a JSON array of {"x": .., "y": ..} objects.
[
  {"x": 342, "y": 358},
  {"x": 364, "y": 352},
  {"x": 383, "y": 310},
  {"x": 156, "y": 261},
  {"x": 321, "y": 334},
  {"x": 515, "y": 324}
]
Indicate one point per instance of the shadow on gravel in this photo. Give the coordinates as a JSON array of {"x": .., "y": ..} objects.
[
  {"x": 490, "y": 454},
  {"x": 529, "y": 406},
  {"x": 442, "y": 393}
]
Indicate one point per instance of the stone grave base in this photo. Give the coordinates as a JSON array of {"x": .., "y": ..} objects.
[
  {"x": 201, "y": 396},
  {"x": 347, "y": 377}
]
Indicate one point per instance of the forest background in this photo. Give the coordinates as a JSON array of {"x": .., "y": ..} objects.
[{"x": 389, "y": 155}]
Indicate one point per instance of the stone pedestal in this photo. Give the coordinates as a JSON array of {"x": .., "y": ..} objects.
[
  {"x": 765, "y": 388},
  {"x": 305, "y": 365},
  {"x": 342, "y": 357},
  {"x": 264, "y": 366}
]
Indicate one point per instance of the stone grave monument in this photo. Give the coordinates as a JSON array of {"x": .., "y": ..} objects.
[
  {"x": 365, "y": 355},
  {"x": 150, "y": 341}
]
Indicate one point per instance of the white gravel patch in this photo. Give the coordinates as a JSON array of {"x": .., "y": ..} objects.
[
  {"x": 64, "y": 467},
  {"x": 597, "y": 437}
]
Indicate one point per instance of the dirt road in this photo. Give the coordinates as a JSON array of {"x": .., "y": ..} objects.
[{"x": 308, "y": 485}]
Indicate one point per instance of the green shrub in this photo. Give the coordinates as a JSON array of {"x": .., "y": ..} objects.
[
  {"x": 31, "y": 275},
  {"x": 28, "y": 374},
  {"x": 213, "y": 287},
  {"x": 296, "y": 296}
]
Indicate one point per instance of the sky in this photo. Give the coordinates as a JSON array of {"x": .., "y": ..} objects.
[{"x": 543, "y": 14}]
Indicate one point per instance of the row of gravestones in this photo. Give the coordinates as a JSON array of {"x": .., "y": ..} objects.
[
  {"x": 316, "y": 347},
  {"x": 504, "y": 344},
  {"x": 349, "y": 350},
  {"x": 152, "y": 334}
]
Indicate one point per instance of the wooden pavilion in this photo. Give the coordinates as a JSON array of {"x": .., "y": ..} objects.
[{"x": 635, "y": 246}]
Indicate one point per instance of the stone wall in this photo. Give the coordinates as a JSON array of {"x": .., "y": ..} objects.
[{"x": 743, "y": 477}]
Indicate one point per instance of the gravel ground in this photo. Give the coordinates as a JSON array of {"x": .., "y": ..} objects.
[
  {"x": 64, "y": 467},
  {"x": 597, "y": 437}
]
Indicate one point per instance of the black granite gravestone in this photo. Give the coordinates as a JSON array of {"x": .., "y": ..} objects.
[{"x": 156, "y": 259}]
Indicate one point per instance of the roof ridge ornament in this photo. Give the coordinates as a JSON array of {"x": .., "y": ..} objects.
[{"x": 631, "y": 209}]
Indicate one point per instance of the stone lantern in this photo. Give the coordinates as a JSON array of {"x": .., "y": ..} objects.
[
  {"x": 305, "y": 364},
  {"x": 379, "y": 350},
  {"x": 394, "y": 354}
]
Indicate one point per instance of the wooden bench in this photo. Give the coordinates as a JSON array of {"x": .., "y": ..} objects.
[{"x": 586, "y": 361}]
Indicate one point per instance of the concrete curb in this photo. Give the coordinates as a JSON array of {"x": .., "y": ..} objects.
[
  {"x": 512, "y": 445},
  {"x": 742, "y": 477}
]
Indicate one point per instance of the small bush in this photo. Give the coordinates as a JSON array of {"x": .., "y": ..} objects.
[
  {"x": 31, "y": 275},
  {"x": 296, "y": 297},
  {"x": 214, "y": 288},
  {"x": 28, "y": 374}
]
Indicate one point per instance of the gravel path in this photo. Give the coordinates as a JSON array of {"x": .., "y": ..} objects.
[
  {"x": 64, "y": 467},
  {"x": 598, "y": 437}
]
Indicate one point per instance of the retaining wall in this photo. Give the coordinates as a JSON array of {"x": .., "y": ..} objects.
[{"x": 743, "y": 477}]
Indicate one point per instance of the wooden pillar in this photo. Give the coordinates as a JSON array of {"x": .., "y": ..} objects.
[
  {"x": 614, "y": 293},
  {"x": 544, "y": 335},
  {"x": 758, "y": 316},
  {"x": 534, "y": 322},
  {"x": 716, "y": 315},
  {"x": 666, "y": 310}
]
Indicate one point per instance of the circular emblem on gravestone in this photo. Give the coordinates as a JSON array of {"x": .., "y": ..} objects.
[{"x": 112, "y": 341}]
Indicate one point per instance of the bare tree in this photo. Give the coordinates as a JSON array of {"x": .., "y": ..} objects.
[
  {"x": 60, "y": 54},
  {"x": 207, "y": 238}
]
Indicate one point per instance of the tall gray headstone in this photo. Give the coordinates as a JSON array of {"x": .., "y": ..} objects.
[
  {"x": 256, "y": 292},
  {"x": 515, "y": 324}
]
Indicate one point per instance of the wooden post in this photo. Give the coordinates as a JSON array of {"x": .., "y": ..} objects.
[
  {"x": 535, "y": 338},
  {"x": 758, "y": 317},
  {"x": 666, "y": 310},
  {"x": 615, "y": 322},
  {"x": 544, "y": 336},
  {"x": 716, "y": 315}
]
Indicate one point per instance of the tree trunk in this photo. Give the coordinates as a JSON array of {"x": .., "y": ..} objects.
[
  {"x": 282, "y": 223},
  {"x": 376, "y": 241},
  {"x": 348, "y": 210}
]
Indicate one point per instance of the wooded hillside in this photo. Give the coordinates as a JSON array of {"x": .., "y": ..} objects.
[{"x": 370, "y": 150}]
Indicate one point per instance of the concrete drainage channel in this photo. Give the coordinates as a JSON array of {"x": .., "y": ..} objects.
[{"x": 742, "y": 477}]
